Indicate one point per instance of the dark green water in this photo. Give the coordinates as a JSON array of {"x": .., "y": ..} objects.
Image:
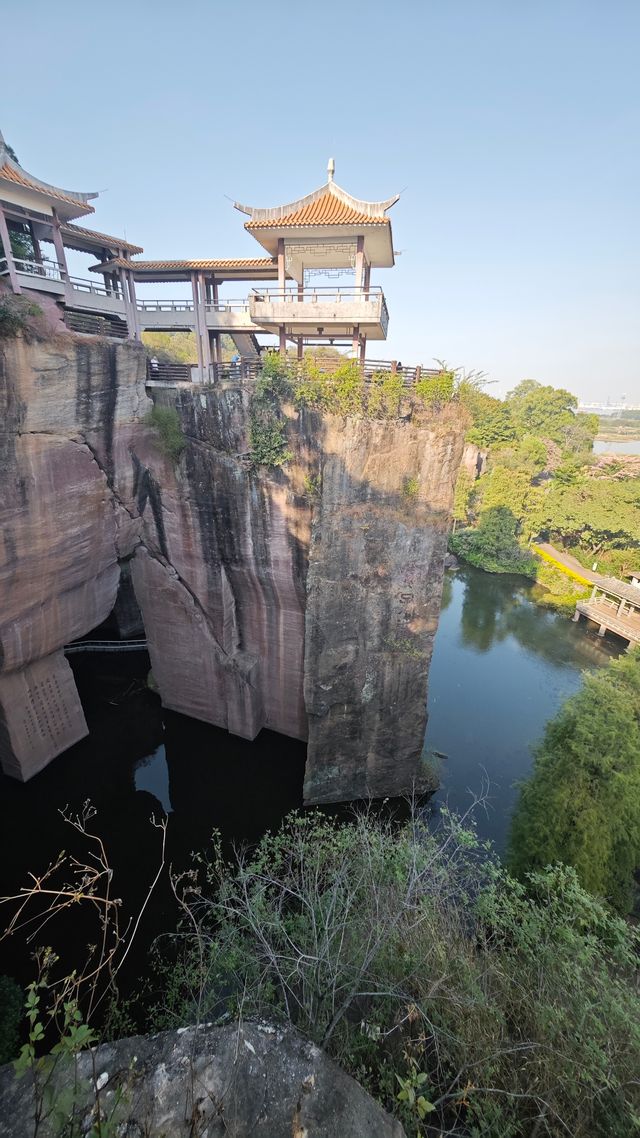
[{"x": 501, "y": 668}]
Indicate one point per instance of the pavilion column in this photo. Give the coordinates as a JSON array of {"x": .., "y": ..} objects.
[
  {"x": 196, "y": 320},
  {"x": 281, "y": 277},
  {"x": 128, "y": 309},
  {"x": 360, "y": 263},
  {"x": 134, "y": 307},
  {"x": 206, "y": 342},
  {"x": 37, "y": 251},
  {"x": 8, "y": 252},
  {"x": 59, "y": 247},
  {"x": 367, "y": 279}
]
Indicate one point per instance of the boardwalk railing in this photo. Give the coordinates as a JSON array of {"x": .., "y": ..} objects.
[
  {"x": 106, "y": 646},
  {"x": 248, "y": 369}
]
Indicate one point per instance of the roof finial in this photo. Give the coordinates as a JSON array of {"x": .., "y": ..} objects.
[{"x": 331, "y": 169}]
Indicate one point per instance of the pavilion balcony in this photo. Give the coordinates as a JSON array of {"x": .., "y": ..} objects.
[{"x": 337, "y": 311}]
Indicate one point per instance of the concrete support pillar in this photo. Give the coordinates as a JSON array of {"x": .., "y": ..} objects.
[
  {"x": 129, "y": 314},
  {"x": 196, "y": 321},
  {"x": 367, "y": 280},
  {"x": 283, "y": 341},
  {"x": 204, "y": 331},
  {"x": 6, "y": 245},
  {"x": 134, "y": 307},
  {"x": 58, "y": 245},
  {"x": 281, "y": 273},
  {"x": 355, "y": 343},
  {"x": 300, "y": 348},
  {"x": 363, "y": 350},
  {"x": 360, "y": 262},
  {"x": 602, "y": 630}
]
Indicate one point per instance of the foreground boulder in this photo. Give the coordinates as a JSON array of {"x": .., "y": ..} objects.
[{"x": 236, "y": 1081}]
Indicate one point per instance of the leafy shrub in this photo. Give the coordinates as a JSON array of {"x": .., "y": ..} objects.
[
  {"x": 452, "y": 991},
  {"x": 493, "y": 545},
  {"x": 17, "y": 315},
  {"x": 437, "y": 389},
  {"x": 11, "y": 999},
  {"x": 384, "y": 394},
  {"x": 582, "y": 802},
  {"x": 166, "y": 422},
  {"x": 267, "y": 427},
  {"x": 411, "y": 488}
]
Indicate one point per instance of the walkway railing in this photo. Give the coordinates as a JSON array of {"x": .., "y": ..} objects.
[
  {"x": 106, "y": 646},
  {"x": 82, "y": 284},
  {"x": 51, "y": 270}
]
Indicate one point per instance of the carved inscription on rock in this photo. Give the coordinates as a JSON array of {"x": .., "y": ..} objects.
[{"x": 42, "y": 715}]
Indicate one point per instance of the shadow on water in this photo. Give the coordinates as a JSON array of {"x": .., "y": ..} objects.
[
  {"x": 139, "y": 761},
  {"x": 501, "y": 668}
]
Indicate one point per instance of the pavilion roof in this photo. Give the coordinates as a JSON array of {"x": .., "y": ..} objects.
[
  {"x": 11, "y": 171},
  {"x": 92, "y": 236},
  {"x": 328, "y": 205},
  {"x": 620, "y": 589}
]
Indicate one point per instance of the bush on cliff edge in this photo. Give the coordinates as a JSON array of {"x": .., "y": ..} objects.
[
  {"x": 166, "y": 423},
  {"x": 458, "y": 996}
]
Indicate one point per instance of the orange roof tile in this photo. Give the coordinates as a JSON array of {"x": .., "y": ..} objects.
[
  {"x": 160, "y": 266},
  {"x": 13, "y": 175},
  {"x": 327, "y": 209}
]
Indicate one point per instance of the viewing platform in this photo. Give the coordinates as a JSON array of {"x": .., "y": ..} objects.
[{"x": 615, "y": 607}]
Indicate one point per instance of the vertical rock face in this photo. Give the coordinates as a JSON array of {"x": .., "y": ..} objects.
[
  {"x": 374, "y": 586},
  {"x": 222, "y": 590},
  {"x": 67, "y": 410},
  {"x": 304, "y": 599}
]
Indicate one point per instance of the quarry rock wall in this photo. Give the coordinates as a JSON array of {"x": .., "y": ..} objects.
[{"x": 302, "y": 598}]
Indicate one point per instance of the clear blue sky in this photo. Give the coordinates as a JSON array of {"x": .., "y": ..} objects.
[{"x": 511, "y": 126}]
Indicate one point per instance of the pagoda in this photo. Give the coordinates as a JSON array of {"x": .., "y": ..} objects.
[{"x": 326, "y": 234}]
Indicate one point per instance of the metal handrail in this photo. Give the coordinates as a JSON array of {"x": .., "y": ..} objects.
[
  {"x": 164, "y": 305},
  {"x": 52, "y": 270},
  {"x": 82, "y": 284},
  {"x": 325, "y": 292},
  {"x": 187, "y": 305}
]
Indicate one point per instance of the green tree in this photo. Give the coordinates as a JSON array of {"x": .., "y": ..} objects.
[
  {"x": 493, "y": 545},
  {"x": 492, "y": 423},
  {"x": 593, "y": 513},
  {"x": 582, "y": 803},
  {"x": 537, "y": 409}
]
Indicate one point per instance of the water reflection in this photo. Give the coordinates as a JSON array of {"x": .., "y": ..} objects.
[
  {"x": 501, "y": 668},
  {"x": 152, "y": 774}
]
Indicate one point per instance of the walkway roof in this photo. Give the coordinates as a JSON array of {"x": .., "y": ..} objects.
[
  {"x": 620, "y": 589},
  {"x": 76, "y": 237},
  {"x": 222, "y": 268}
]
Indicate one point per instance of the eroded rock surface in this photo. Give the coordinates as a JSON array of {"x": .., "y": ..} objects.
[
  {"x": 303, "y": 599},
  {"x": 237, "y": 1081},
  {"x": 375, "y": 581}
]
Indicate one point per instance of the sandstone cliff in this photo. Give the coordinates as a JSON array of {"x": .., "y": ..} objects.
[{"x": 304, "y": 598}]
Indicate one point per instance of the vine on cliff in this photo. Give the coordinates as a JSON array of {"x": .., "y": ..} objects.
[
  {"x": 166, "y": 422},
  {"x": 267, "y": 426}
]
